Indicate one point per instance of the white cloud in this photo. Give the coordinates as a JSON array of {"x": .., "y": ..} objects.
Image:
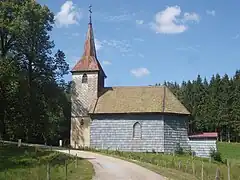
[
  {"x": 191, "y": 17},
  {"x": 106, "y": 62},
  {"x": 124, "y": 16},
  {"x": 169, "y": 20},
  {"x": 140, "y": 72},
  {"x": 211, "y": 12},
  {"x": 68, "y": 15},
  {"x": 122, "y": 45},
  {"x": 98, "y": 44},
  {"x": 139, "y": 22}
]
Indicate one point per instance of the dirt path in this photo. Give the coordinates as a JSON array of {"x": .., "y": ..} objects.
[{"x": 109, "y": 168}]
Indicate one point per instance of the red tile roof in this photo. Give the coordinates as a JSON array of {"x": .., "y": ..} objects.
[
  {"x": 88, "y": 61},
  {"x": 205, "y": 135}
]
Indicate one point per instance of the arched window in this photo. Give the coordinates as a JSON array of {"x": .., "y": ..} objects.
[
  {"x": 137, "y": 131},
  {"x": 84, "y": 78}
]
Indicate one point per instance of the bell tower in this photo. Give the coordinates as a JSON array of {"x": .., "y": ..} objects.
[{"x": 87, "y": 80}]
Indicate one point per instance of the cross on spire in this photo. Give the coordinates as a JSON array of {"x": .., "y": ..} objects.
[
  {"x": 90, "y": 13},
  {"x": 89, "y": 61}
]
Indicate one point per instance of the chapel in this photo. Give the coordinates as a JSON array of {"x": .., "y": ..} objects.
[{"x": 130, "y": 118}]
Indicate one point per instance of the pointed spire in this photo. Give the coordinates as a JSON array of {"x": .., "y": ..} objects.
[
  {"x": 89, "y": 47},
  {"x": 89, "y": 61},
  {"x": 90, "y": 14}
]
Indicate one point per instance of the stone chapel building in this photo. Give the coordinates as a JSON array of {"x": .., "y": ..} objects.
[{"x": 143, "y": 118}]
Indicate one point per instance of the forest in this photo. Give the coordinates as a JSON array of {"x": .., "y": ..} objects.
[
  {"x": 214, "y": 104},
  {"x": 35, "y": 98},
  {"x": 35, "y": 104}
]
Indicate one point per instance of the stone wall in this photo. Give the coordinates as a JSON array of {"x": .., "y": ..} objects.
[
  {"x": 160, "y": 133},
  {"x": 201, "y": 147},
  {"x": 83, "y": 95},
  {"x": 80, "y": 133},
  {"x": 116, "y": 132},
  {"x": 175, "y": 131}
]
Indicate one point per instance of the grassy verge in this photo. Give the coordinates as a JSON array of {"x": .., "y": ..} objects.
[
  {"x": 167, "y": 172},
  {"x": 27, "y": 163},
  {"x": 178, "y": 167},
  {"x": 172, "y": 174}
]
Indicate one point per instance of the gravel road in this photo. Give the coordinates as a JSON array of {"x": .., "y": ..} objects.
[{"x": 109, "y": 168}]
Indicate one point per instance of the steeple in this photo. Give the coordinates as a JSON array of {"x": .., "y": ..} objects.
[{"x": 89, "y": 61}]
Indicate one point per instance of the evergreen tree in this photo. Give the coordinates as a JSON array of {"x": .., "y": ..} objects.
[{"x": 214, "y": 105}]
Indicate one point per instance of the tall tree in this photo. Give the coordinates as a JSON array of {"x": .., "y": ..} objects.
[{"x": 38, "y": 105}]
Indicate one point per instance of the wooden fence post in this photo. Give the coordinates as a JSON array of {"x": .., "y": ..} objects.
[
  {"x": 186, "y": 170},
  {"x": 35, "y": 149},
  {"x": 217, "y": 174},
  {"x": 60, "y": 143},
  {"x": 193, "y": 167},
  {"x": 179, "y": 165},
  {"x": 48, "y": 171},
  {"x": 202, "y": 171},
  {"x": 66, "y": 170},
  {"x": 19, "y": 142},
  {"x": 228, "y": 166}
]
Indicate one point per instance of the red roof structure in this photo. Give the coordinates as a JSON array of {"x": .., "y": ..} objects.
[
  {"x": 89, "y": 61},
  {"x": 205, "y": 135}
]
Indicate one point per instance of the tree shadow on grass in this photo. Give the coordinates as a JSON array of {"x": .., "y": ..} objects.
[{"x": 12, "y": 157}]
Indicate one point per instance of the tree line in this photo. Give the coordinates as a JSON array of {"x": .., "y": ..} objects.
[
  {"x": 35, "y": 103},
  {"x": 214, "y": 104}
]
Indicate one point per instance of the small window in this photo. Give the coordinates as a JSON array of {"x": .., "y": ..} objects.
[
  {"x": 137, "y": 131},
  {"x": 84, "y": 78},
  {"x": 82, "y": 122}
]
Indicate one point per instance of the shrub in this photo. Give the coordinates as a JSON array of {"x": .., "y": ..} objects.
[
  {"x": 117, "y": 152},
  {"x": 188, "y": 151},
  {"x": 153, "y": 151},
  {"x": 178, "y": 149},
  {"x": 215, "y": 155}
]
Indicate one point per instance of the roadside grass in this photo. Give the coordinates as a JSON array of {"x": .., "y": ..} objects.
[
  {"x": 178, "y": 167},
  {"x": 27, "y": 163},
  {"x": 169, "y": 173},
  {"x": 230, "y": 151}
]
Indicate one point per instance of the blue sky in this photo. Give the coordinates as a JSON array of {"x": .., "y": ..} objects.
[{"x": 147, "y": 42}]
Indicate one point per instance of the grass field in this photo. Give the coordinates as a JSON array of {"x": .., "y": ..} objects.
[
  {"x": 230, "y": 151},
  {"x": 28, "y": 163},
  {"x": 186, "y": 167}
]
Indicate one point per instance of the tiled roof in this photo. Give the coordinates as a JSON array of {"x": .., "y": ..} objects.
[
  {"x": 88, "y": 61},
  {"x": 148, "y": 99}
]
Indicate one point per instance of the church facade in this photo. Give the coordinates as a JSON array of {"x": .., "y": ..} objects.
[{"x": 144, "y": 118}]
